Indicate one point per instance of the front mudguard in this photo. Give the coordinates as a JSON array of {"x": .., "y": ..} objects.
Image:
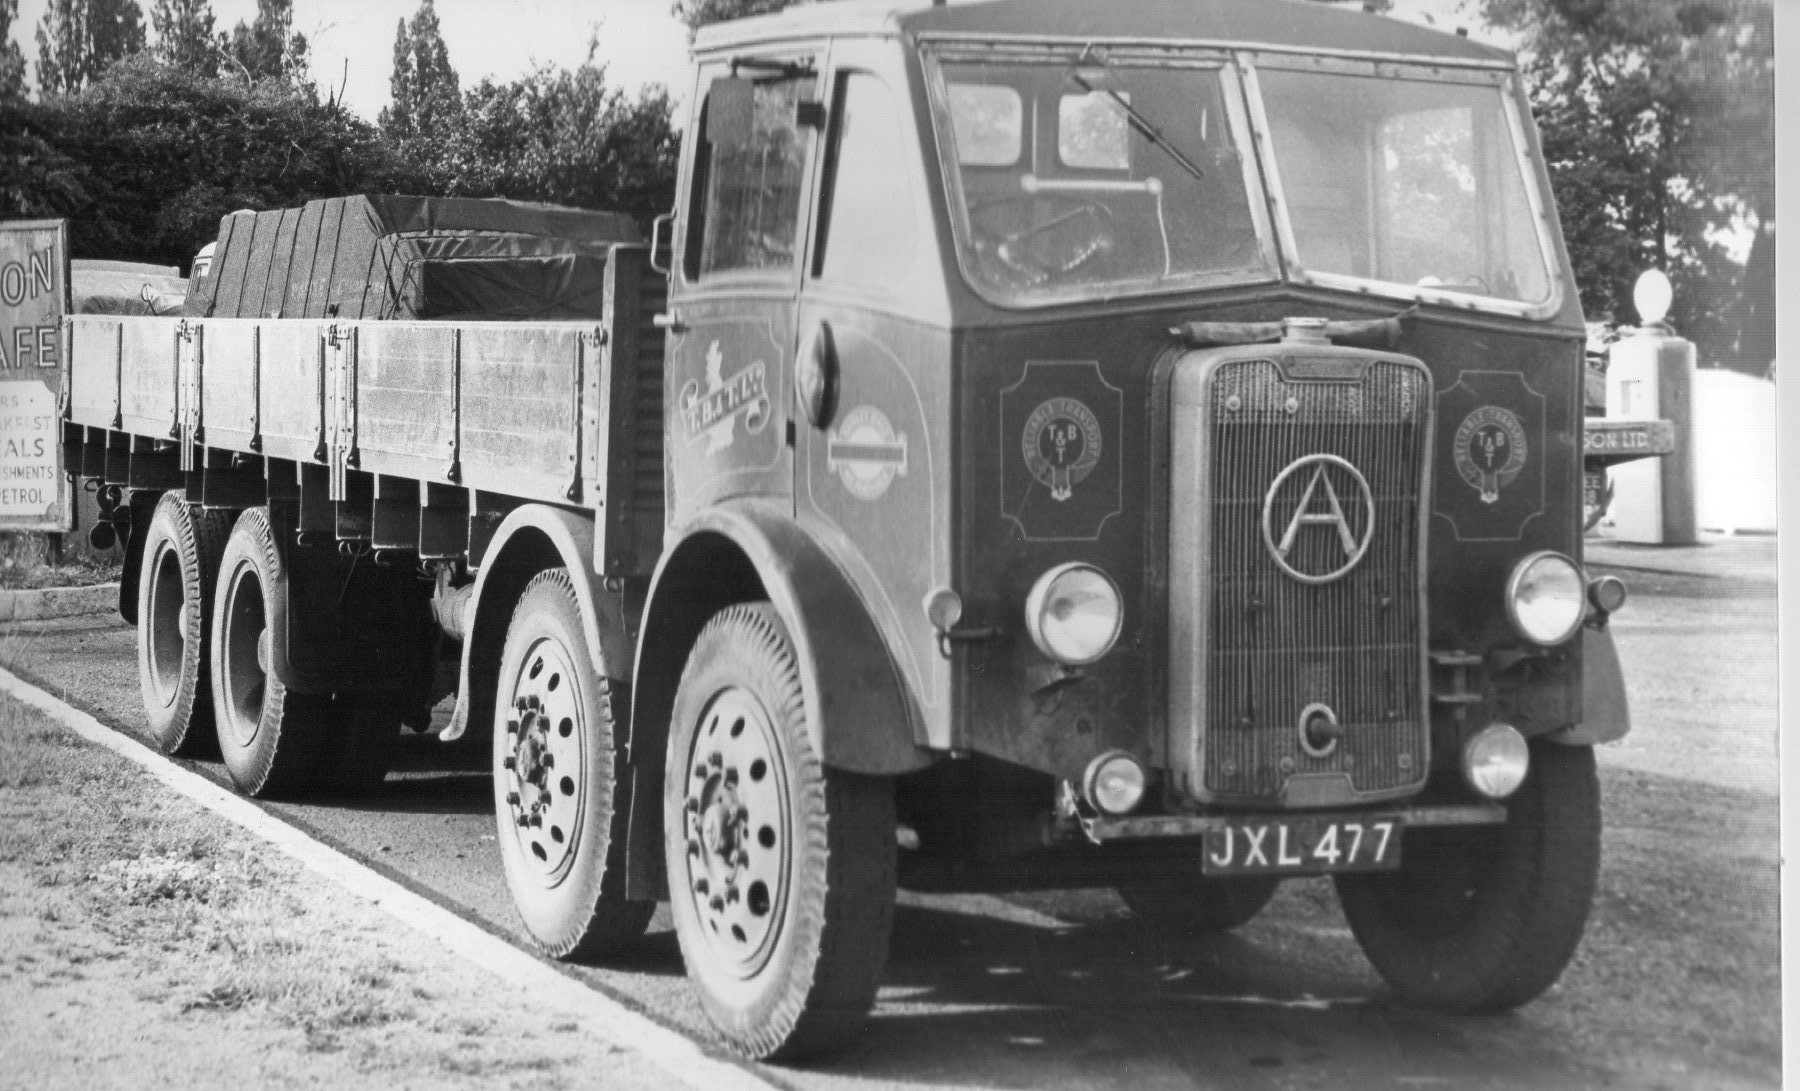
[
  {"x": 1605, "y": 714},
  {"x": 859, "y": 711}
]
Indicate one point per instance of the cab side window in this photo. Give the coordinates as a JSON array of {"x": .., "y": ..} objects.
[
  {"x": 748, "y": 194},
  {"x": 869, "y": 229}
]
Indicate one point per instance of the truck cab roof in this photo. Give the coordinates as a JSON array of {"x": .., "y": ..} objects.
[{"x": 1279, "y": 25}]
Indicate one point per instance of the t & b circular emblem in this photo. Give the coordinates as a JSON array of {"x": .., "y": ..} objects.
[
  {"x": 1490, "y": 450},
  {"x": 1062, "y": 445}
]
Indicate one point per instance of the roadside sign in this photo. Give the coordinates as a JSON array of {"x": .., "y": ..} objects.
[{"x": 34, "y": 296}]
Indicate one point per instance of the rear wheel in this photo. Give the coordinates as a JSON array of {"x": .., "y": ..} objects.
[
  {"x": 182, "y": 547},
  {"x": 557, "y": 780},
  {"x": 270, "y": 738},
  {"x": 1485, "y": 918},
  {"x": 781, "y": 871},
  {"x": 1180, "y": 898}
]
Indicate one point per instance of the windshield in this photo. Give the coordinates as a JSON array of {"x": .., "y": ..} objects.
[
  {"x": 1416, "y": 183},
  {"x": 1091, "y": 175}
]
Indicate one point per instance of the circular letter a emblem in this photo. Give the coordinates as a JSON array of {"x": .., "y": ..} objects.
[{"x": 1317, "y": 518}]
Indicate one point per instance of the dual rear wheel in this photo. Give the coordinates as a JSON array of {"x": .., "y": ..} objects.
[{"x": 210, "y": 591}]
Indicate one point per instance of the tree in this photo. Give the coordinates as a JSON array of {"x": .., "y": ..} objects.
[
  {"x": 566, "y": 137},
  {"x": 146, "y": 161},
  {"x": 427, "y": 96},
  {"x": 699, "y": 13},
  {"x": 269, "y": 48},
  {"x": 79, "y": 39},
  {"x": 184, "y": 35},
  {"x": 1657, "y": 118},
  {"x": 12, "y": 58}
]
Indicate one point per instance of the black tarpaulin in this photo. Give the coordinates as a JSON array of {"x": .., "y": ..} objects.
[{"x": 386, "y": 257}]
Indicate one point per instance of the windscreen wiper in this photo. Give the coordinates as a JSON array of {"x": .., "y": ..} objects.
[{"x": 1138, "y": 121}]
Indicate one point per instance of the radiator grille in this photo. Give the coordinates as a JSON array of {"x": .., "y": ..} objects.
[{"x": 1275, "y": 644}]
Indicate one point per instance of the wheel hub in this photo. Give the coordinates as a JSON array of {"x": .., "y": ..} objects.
[
  {"x": 737, "y": 832},
  {"x": 543, "y": 760}
]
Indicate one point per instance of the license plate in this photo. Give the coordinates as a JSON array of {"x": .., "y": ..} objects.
[{"x": 1309, "y": 845}]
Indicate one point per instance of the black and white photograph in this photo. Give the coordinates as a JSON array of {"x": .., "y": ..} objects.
[{"x": 1081, "y": 545}]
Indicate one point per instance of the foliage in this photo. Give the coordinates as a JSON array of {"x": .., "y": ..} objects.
[
  {"x": 78, "y": 39},
  {"x": 269, "y": 47},
  {"x": 12, "y": 58},
  {"x": 146, "y": 161},
  {"x": 1658, "y": 129},
  {"x": 184, "y": 35},
  {"x": 427, "y": 97},
  {"x": 562, "y": 136},
  {"x": 699, "y": 13}
]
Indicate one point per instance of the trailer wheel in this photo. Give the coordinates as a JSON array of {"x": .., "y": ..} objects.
[
  {"x": 781, "y": 871},
  {"x": 1485, "y": 918},
  {"x": 1188, "y": 901},
  {"x": 270, "y": 738},
  {"x": 174, "y": 607},
  {"x": 557, "y": 780}
]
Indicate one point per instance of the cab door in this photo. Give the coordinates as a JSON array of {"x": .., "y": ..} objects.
[
  {"x": 872, "y": 436},
  {"x": 730, "y": 321}
]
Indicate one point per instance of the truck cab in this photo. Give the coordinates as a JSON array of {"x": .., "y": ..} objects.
[{"x": 1181, "y": 407}]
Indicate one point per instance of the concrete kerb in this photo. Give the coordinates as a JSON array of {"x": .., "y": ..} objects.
[
  {"x": 597, "y": 1014},
  {"x": 36, "y": 604}
]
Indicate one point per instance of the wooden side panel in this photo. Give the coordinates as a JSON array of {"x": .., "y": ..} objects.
[
  {"x": 292, "y": 408},
  {"x": 94, "y": 370},
  {"x": 406, "y": 398},
  {"x": 149, "y": 393},
  {"x": 521, "y": 409},
  {"x": 228, "y": 393}
]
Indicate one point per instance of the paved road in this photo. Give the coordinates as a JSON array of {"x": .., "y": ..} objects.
[{"x": 1065, "y": 990}]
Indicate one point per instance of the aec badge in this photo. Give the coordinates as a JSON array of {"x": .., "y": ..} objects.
[{"x": 1490, "y": 450}]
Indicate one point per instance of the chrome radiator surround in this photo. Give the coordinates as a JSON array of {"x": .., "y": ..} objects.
[{"x": 1294, "y": 591}]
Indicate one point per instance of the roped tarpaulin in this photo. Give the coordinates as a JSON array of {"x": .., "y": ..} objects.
[{"x": 386, "y": 257}]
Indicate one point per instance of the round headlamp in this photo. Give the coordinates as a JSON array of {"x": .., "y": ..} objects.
[
  {"x": 1114, "y": 783},
  {"x": 1074, "y": 614},
  {"x": 1495, "y": 760},
  {"x": 1545, "y": 598}
]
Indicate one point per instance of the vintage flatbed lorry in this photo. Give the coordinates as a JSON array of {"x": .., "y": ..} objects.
[{"x": 1074, "y": 443}]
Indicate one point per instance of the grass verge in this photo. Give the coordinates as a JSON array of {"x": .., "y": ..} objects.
[{"x": 145, "y": 941}]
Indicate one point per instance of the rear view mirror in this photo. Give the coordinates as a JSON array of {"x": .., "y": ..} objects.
[{"x": 730, "y": 112}]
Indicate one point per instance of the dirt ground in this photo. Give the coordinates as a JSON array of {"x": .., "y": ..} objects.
[{"x": 145, "y": 942}]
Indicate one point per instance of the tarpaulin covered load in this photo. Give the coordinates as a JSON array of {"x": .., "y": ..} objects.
[
  {"x": 125, "y": 287},
  {"x": 411, "y": 258}
]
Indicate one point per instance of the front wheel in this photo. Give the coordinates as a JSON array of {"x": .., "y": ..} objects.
[
  {"x": 781, "y": 871},
  {"x": 557, "y": 780},
  {"x": 1485, "y": 918}
]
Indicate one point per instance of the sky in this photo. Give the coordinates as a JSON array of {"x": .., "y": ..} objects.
[{"x": 352, "y": 41}]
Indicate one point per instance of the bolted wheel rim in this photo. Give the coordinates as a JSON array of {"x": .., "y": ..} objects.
[
  {"x": 167, "y": 625},
  {"x": 738, "y": 834},
  {"x": 544, "y": 760},
  {"x": 245, "y": 641}
]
